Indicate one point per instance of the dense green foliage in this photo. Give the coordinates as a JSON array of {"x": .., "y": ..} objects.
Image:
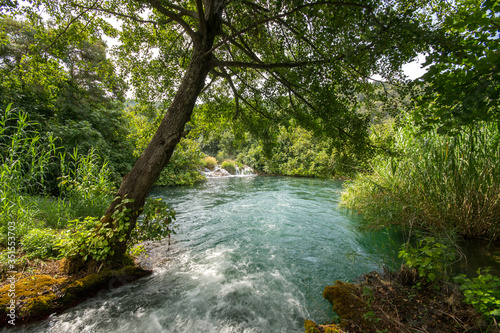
[
  {"x": 462, "y": 84},
  {"x": 87, "y": 239},
  {"x": 187, "y": 157},
  {"x": 64, "y": 226},
  {"x": 434, "y": 182},
  {"x": 67, "y": 85},
  {"x": 482, "y": 292},
  {"x": 431, "y": 257}
]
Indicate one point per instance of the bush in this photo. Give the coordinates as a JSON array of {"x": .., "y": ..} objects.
[
  {"x": 230, "y": 166},
  {"x": 87, "y": 239},
  {"x": 209, "y": 162},
  {"x": 431, "y": 258},
  {"x": 482, "y": 292},
  {"x": 182, "y": 167}
]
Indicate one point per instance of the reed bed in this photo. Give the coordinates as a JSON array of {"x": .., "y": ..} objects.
[{"x": 434, "y": 182}]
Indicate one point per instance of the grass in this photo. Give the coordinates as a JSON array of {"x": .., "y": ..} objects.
[
  {"x": 434, "y": 182},
  {"x": 27, "y": 161}
]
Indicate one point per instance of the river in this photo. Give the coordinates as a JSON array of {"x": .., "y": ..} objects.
[{"x": 251, "y": 254}]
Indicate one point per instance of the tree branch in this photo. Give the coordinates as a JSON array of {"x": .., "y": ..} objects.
[
  {"x": 255, "y": 65},
  {"x": 69, "y": 25},
  {"x": 275, "y": 17},
  {"x": 201, "y": 16},
  {"x": 168, "y": 13},
  {"x": 133, "y": 18},
  {"x": 183, "y": 11}
]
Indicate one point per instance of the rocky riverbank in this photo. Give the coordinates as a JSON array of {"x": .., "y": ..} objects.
[
  {"x": 32, "y": 297},
  {"x": 395, "y": 303}
]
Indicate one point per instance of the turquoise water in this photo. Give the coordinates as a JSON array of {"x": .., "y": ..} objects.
[{"x": 251, "y": 254}]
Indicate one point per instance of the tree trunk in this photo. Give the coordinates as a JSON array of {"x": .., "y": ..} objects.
[{"x": 137, "y": 184}]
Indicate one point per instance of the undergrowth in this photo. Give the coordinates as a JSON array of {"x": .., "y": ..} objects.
[{"x": 434, "y": 182}]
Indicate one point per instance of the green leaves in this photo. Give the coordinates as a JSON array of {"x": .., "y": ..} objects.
[
  {"x": 462, "y": 84},
  {"x": 431, "y": 258},
  {"x": 482, "y": 292}
]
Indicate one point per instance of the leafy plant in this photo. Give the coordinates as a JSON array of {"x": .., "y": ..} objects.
[
  {"x": 482, "y": 292},
  {"x": 209, "y": 162},
  {"x": 431, "y": 258},
  {"x": 157, "y": 222},
  {"x": 88, "y": 239},
  {"x": 230, "y": 166}
]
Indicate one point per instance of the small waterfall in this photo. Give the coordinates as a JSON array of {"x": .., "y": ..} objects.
[{"x": 218, "y": 172}]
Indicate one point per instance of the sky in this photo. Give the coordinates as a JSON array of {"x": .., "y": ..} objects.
[{"x": 414, "y": 69}]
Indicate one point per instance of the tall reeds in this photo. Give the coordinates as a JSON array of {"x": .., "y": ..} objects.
[
  {"x": 451, "y": 183},
  {"x": 29, "y": 162}
]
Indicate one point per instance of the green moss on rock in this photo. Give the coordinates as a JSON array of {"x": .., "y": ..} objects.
[
  {"x": 41, "y": 295},
  {"x": 347, "y": 303},
  {"x": 310, "y": 326}
]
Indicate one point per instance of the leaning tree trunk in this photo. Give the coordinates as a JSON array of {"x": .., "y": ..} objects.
[{"x": 137, "y": 184}]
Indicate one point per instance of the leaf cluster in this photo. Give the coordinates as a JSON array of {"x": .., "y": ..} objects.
[{"x": 482, "y": 292}]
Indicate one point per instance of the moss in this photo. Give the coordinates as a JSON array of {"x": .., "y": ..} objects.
[
  {"x": 40, "y": 295},
  {"x": 310, "y": 326},
  {"x": 38, "y": 306},
  {"x": 70, "y": 266},
  {"x": 34, "y": 297},
  {"x": 107, "y": 279},
  {"x": 332, "y": 329},
  {"x": 347, "y": 302}
]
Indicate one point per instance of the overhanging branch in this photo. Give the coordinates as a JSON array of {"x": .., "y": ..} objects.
[
  {"x": 279, "y": 16},
  {"x": 256, "y": 65},
  {"x": 170, "y": 14}
]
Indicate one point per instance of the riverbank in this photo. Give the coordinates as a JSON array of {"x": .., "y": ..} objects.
[
  {"x": 394, "y": 302},
  {"x": 47, "y": 288}
]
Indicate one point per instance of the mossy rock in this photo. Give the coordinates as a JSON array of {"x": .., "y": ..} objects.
[
  {"x": 347, "y": 303},
  {"x": 310, "y": 326},
  {"x": 41, "y": 295}
]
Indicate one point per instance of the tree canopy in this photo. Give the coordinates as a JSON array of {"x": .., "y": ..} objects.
[
  {"x": 66, "y": 84},
  {"x": 462, "y": 84}
]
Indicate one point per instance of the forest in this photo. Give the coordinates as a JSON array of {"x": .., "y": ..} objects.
[{"x": 102, "y": 101}]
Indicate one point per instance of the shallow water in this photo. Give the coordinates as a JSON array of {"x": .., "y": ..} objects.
[{"x": 251, "y": 254}]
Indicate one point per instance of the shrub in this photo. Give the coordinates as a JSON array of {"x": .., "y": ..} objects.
[
  {"x": 431, "y": 258},
  {"x": 87, "y": 239},
  {"x": 230, "y": 166},
  {"x": 482, "y": 292},
  {"x": 209, "y": 162},
  {"x": 183, "y": 166}
]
